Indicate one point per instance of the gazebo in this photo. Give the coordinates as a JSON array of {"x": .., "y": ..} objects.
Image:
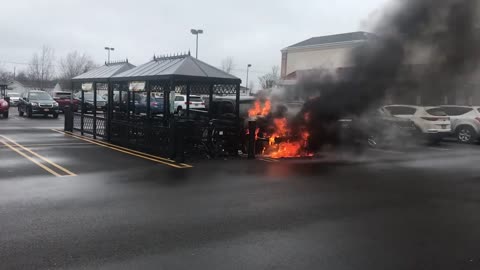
[
  {"x": 93, "y": 81},
  {"x": 141, "y": 114}
]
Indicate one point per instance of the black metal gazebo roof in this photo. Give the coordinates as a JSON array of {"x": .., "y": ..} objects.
[
  {"x": 105, "y": 72},
  {"x": 176, "y": 67}
]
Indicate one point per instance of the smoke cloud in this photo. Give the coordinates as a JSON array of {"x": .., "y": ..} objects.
[{"x": 426, "y": 44}]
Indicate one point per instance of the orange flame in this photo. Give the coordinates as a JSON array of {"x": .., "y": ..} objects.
[
  {"x": 266, "y": 108},
  {"x": 280, "y": 143},
  {"x": 258, "y": 110},
  {"x": 288, "y": 148}
]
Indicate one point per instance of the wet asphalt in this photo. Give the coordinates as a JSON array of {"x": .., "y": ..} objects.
[{"x": 407, "y": 208}]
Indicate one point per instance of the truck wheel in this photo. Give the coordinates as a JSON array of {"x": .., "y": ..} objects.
[{"x": 466, "y": 134}]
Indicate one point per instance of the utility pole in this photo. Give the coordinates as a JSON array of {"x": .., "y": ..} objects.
[
  {"x": 246, "y": 84},
  {"x": 109, "y": 49},
  {"x": 196, "y": 32}
]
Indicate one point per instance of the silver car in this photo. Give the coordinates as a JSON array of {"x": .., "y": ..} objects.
[
  {"x": 14, "y": 98},
  {"x": 465, "y": 122}
]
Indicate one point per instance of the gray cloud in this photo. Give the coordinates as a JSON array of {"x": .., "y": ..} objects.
[{"x": 249, "y": 31}]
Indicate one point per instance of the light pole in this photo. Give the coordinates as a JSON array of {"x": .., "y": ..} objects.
[
  {"x": 248, "y": 67},
  {"x": 196, "y": 32},
  {"x": 109, "y": 49}
]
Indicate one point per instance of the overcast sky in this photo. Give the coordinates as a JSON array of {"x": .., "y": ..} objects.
[{"x": 250, "y": 31}]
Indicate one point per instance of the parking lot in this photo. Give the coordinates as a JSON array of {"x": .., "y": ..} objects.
[{"x": 74, "y": 203}]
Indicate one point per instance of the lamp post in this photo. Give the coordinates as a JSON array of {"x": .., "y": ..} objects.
[
  {"x": 109, "y": 49},
  {"x": 248, "y": 67},
  {"x": 196, "y": 32}
]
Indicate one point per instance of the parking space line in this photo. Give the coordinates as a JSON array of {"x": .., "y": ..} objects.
[
  {"x": 69, "y": 173},
  {"x": 31, "y": 159},
  {"x": 124, "y": 150},
  {"x": 130, "y": 150},
  {"x": 267, "y": 159},
  {"x": 54, "y": 144}
]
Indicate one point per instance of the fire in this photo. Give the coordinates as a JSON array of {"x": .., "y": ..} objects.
[
  {"x": 282, "y": 142},
  {"x": 289, "y": 148},
  {"x": 266, "y": 108},
  {"x": 258, "y": 110}
]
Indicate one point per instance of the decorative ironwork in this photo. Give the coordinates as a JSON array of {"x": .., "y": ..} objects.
[
  {"x": 160, "y": 86},
  {"x": 116, "y": 62},
  {"x": 224, "y": 89},
  {"x": 181, "y": 89},
  {"x": 88, "y": 124},
  {"x": 144, "y": 135},
  {"x": 170, "y": 56},
  {"x": 200, "y": 89},
  {"x": 77, "y": 121}
]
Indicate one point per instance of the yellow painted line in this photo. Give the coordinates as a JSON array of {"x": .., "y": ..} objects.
[
  {"x": 53, "y": 144},
  {"x": 31, "y": 159},
  {"x": 267, "y": 159},
  {"x": 127, "y": 149},
  {"x": 129, "y": 152},
  {"x": 40, "y": 157}
]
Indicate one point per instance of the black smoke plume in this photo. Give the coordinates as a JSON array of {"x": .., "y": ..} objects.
[{"x": 440, "y": 32}]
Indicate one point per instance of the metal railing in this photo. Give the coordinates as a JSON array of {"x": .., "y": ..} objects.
[{"x": 86, "y": 124}]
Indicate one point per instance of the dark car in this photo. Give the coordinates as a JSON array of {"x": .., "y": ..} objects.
[
  {"x": 156, "y": 105},
  {"x": 37, "y": 102},
  {"x": 376, "y": 128},
  {"x": 226, "y": 105},
  {"x": 88, "y": 104},
  {"x": 64, "y": 100},
  {"x": 138, "y": 103}
]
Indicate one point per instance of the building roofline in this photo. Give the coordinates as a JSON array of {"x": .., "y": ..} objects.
[
  {"x": 343, "y": 38},
  {"x": 322, "y": 46}
]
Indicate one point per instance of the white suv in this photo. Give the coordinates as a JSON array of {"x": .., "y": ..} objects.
[
  {"x": 465, "y": 122},
  {"x": 196, "y": 102},
  {"x": 431, "y": 121}
]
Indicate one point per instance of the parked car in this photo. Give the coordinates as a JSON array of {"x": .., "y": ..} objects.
[
  {"x": 376, "y": 128},
  {"x": 88, "y": 104},
  {"x": 156, "y": 105},
  {"x": 14, "y": 98},
  {"x": 37, "y": 102},
  {"x": 226, "y": 105},
  {"x": 465, "y": 122},
  {"x": 196, "y": 102},
  {"x": 64, "y": 100},
  {"x": 4, "y": 105},
  {"x": 433, "y": 122}
]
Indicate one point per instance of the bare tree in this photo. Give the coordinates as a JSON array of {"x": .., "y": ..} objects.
[
  {"x": 74, "y": 64},
  {"x": 21, "y": 76},
  {"x": 270, "y": 79},
  {"x": 228, "y": 64},
  {"x": 41, "y": 68},
  {"x": 5, "y": 76}
]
